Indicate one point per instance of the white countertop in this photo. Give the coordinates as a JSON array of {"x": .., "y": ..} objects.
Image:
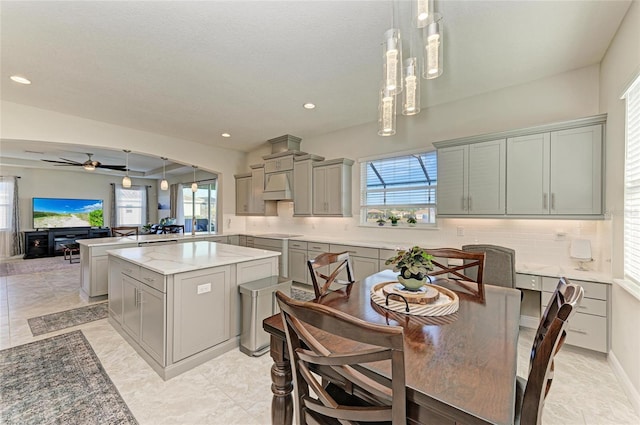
[
  {"x": 557, "y": 271},
  {"x": 189, "y": 256},
  {"x": 143, "y": 238}
]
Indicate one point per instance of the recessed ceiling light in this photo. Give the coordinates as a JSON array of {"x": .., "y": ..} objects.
[
  {"x": 225, "y": 135},
  {"x": 309, "y": 105},
  {"x": 20, "y": 79}
]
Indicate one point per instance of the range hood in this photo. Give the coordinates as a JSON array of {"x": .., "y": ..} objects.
[{"x": 277, "y": 187}]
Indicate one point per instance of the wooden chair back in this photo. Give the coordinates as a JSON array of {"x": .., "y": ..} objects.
[
  {"x": 173, "y": 228},
  {"x": 124, "y": 231},
  {"x": 499, "y": 264},
  {"x": 454, "y": 270},
  {"x": 362, "y": 342},
  {"x": 328, "y": 261},
  {"x": 548, "y": 340}
]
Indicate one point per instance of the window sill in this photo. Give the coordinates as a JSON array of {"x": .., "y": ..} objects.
[
  {"x": 631, "y": 287},
  {"x": 399, "y": 227}
]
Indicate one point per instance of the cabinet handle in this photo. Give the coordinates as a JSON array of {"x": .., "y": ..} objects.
[
  {"x": 545, "y": 201},
  {"x": 463, "y": 203},
  {"x": 469, "y": 202},
  {"x": 553, "y": 201},
  {"x": 579, "y": 331},
  {"x": 149, "y": 279},
  {"x": 582, "y": 307}
]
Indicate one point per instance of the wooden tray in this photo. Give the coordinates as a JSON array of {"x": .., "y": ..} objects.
[
  {"x": 425, "y": 295},
  {"x": 447, "y": 302}
]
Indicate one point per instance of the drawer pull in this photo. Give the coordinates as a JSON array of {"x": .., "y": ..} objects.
[
  {"x": 582, "y": 307},
  {"x": 149, "y": 279},
  {"x": 578, "y": 330},
  {"x": 316, "y": 247}
]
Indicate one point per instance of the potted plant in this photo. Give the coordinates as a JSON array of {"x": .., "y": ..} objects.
[
  {"x": 394, "y": 219},
  {"x": 411, "y": 220},
  {"x": 381, "y": 221},
  {"x": 413, "y": 265}
]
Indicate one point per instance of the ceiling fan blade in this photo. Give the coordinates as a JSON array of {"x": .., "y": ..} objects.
[
  {"x": 60, "y": 162},
  {"x": 114, "y": 167},
  {"x": 70, "y": 161}
]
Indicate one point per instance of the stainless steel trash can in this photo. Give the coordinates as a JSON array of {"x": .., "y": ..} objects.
[{"x": 258, "y": 303}]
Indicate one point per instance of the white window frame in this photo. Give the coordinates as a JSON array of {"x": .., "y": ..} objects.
[
  {"x": 366, "y": 205},
  {"x": 632, "y": 184},
  {"x": 123, "y": 204}
]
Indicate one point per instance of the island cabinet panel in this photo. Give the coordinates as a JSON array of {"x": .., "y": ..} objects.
[
  {"x": 201, "y": 302},
  {"x": 130, "y": 307},
  {"x": 115, "y": 289},
  {"x": 152, "y": 322}
]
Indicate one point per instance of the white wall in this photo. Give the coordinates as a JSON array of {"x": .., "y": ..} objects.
[
  {"x": 619, "y": 66},
  {"x": 21, "y": 122},
  {"x": 562, "y": 97}
]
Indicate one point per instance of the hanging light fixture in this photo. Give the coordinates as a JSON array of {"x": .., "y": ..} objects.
[
  {"x": 194, "y": 185},
  {"x": 411, "y": 93},
  {"x": 164, "y": 184},
  {"x": 392, "y": 57},
  {"x": 126, "y": 180},
  {"x": 387, "y": 113},
  {"x": 421, "y": 12},
  {"x": 432, "y": 34}
]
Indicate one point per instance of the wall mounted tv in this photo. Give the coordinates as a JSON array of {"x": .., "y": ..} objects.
[{"x": 49, "y": 213}]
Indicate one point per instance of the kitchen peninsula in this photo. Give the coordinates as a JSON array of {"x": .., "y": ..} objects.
[{"x": 178, "y": 305}]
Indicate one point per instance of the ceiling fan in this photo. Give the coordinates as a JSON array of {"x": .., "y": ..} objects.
[{"x": 88, "y": 165}]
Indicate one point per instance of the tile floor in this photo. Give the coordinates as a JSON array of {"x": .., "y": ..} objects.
[{"x": 235, "y": 389}]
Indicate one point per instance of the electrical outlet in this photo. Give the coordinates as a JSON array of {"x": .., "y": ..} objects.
[
  {"x": 460, "y": 231},
  {"x": 561, "y": 236},
  {"x": 204, "y": 288}
]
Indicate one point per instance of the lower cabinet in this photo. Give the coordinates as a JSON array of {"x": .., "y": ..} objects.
[
  {"x": 298, "y": 270},
  {"x": 364, "y": 261}
]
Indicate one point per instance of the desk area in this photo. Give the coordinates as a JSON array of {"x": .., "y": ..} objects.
[{"x": 451, "y": 362}]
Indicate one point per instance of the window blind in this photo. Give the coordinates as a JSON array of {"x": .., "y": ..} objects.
[{"x": 632, "y": 185}]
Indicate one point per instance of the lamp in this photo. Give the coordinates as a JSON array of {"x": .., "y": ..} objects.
[
  {"x": 164, "y": 184},
  {"x": 581, "y": 250},
  {"x": 126, "y": 180},
  {"x": 88, "y": 166},
  {"x": 422, "y": 11},
  {"x": 411, "y": 93},
  {"x": 433, "y": 47},
  {"x": 387, "y": 113},
  {"x": 194, "y": 185},
  {"x": 392, "y": 56}
]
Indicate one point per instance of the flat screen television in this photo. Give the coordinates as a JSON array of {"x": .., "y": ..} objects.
[{"x": 50, "y": 213}]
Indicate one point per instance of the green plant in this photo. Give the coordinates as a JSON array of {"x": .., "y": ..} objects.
[
  {"x": 413, "y": 263},
  {"x": 411, "y": 219},
  {"x": 394, "y": 219},
  {"x": 381, "y": 221}
]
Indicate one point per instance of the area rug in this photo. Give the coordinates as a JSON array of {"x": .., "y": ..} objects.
[
  {"x": 58, "y": 380},
  {"x": 302, "y": 295},
  {"x": 66, "y": 319},
  {"x": 36, "y": 265}
]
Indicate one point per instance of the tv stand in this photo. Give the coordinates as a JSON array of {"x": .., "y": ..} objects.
[{"x": 48, "y": 242}]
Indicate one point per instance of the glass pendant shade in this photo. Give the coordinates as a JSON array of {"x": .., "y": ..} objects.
[
  {"x": 89, "y": 167},
  {"x": 411, "y": 93},
  {"x": 387, "y": 113},
  {"x": 194, "y": 185},
  {"x": 164, "y": 184},
  {"x": 126, "y": 182},
  {"x": 433, "y": 47},
  {"x": 422, "y": 9},
  {"x": 392, "y": 59}
]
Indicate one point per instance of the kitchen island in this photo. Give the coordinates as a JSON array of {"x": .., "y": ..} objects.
[{"x": 178, "y": 305}]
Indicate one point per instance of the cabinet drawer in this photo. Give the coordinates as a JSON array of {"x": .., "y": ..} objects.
[
  {"x": 588, "y": 305},
  {"x": 131, "y": 270},
  {"x": 357, "y": 251},
  {"x": 278, "y": 164},
  {"x": 298, "y": 245},
  {"x": 249, "y": 241},
  {"x": 268, "y": 243},
  {"x": 591, "y": 289},
  {"x": 588, "y": 331},
  {"x": 153, "y": 279},
  {"x": 218, "y": 239},
  {"x": 316, "y": 246},
  {"x": 387, "y": 253},
  {"x": 527, "y": 281}
]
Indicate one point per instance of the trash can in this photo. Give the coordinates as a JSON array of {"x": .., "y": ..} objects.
[{"x": 258, "y": 303}]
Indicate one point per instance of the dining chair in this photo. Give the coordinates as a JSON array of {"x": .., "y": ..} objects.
[
  {"x": 346, "y": 394},
  {"x": 499, "y": 264},
  {"x": 324, "y": 263},
  {"x": 453, "y": 271},
  {"x": 173, "y": 228},
  {"x": 124, "y": 231},
  {"x": 549, "y": 338}
]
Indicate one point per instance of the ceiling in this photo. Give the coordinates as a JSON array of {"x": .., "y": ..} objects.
[{"x": 194, "y": 70}]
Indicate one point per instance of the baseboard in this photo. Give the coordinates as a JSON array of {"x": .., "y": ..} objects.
[
  {"x": 628, "y": 388},
  {"x": 529, "y": 322}
]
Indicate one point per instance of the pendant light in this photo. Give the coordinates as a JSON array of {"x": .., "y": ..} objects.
[
  {"x": 411, "y": 93},
  {"x": 392, "y": 59},
  {"x": 433, "y": 47},
  {"x": 126, "y": 180},
  {"x": 194, "y": 185},
  {"x": 387, "y": 113},
  {"x": 164, "y": 184},
  {"x": 422, "y": 9}
]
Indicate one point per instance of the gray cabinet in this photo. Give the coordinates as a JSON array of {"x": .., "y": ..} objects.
[
  {"x": 298, "y": 270},
  {"x": 115, "y": 289},
  {"x": 555, "y": 173},
  {"x": 303, "y": 184},
  {"x": 243, "y": 194},
  {"x": 332, "y": 188},
  {"x": 471, "y": 179},
  {"x": 364, "y": 261}
]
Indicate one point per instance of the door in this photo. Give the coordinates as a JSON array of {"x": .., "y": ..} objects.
[
  {"x": 130, "y": 307},
  {"x": 486, "y": 183},
  {"x": 453, "y": 164},
  {"x": 528, "y": 174},
  {"x": 152, "y": 322}
]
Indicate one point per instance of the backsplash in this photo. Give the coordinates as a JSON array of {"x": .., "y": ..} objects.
[{"x": 535, "y": 241}]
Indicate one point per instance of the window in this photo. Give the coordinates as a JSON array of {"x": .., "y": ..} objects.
[
  {"x": 6, "y": 201},
  {"x": 401, "y": 186},
  {"x": 131, "y": 206},
  {"x": 201, "y": 204},
  {"x": 632, "y": 185}
]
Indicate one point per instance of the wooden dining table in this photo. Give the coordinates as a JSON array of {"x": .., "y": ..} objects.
[{"x": 460, "y": 368}]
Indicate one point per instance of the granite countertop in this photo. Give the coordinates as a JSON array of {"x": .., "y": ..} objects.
[
  {"x": 142, "y": 238},
  {"x": 189, "y": 256}
]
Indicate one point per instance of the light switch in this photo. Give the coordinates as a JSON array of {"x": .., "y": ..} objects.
[{"x": 204, "y": 288}]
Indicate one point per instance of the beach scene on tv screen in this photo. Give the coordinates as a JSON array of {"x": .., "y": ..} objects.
[{"x": 49, "y": 212}]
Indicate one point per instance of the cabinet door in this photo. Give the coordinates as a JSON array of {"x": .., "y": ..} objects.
[
  {"x": 364, "y": 267},
  {"x": 256, "y": 206},
  {"x": 333, "y": 189},
  {"x": 453, "y": 164},
  {"x": 131, "y": 307},
  {"x": 115, "y": 290},
  {"x": 528, "y": 174},
  {"x": 302, "y": 188},
  {"x": 298, "y": 270},
  {"x": 201, "y": 311},
  {"x": 243, "y": 195},
  {"x": 99, "y": 276},
  {"x": 152, "y": 322},
  {"x": 319, "y": 190},
  {"x": 576, "y": 171},
  {"x": 487, "y": 172}
]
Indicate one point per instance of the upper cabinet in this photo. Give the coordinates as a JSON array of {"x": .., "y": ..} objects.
[
  {"x": 555, "y": 173},
  {"x": 303, "y": 187},
  {"x": 249, "y": 193},
  {"x": 471, "y": 179},
  {"x": 243, "y": 193},
  {"x": 332, "y": 187},
  {"x": 553, "y": 170}
]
